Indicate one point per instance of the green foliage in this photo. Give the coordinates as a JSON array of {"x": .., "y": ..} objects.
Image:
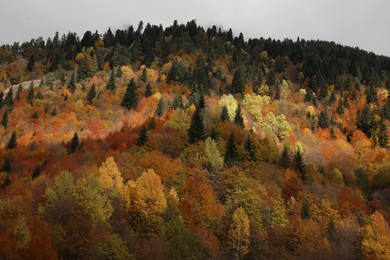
[
  {"x": 148, "y": 90},
  {"x": 71, "y": 83},
  {"x": 250, "y": 148},
  {"x": 300, "y": 164},
  {"x": 30, "y": 94},
  {"x": 179, "y": 120},
  {"x": 12, "y": 142},
  {"x": 213, "y": 156},
  {"x": 231, "y": 105},
  {"x": 130, "y": 98},
  {"x": 91, "y": 94},
  {"x": 276, "y": 125},
  {"x": 231, "y": 154},
  {"x": 4, "y": 120},
  {"x": 36, "y": 172},
  {"x": 238, "y": 83},
  {"x": 111, "y": 83},
  {"x": 305, "y": 211},
  {"x": 9, "y": 99},
  {"x": 323, "y": 120},
  {"x": 74, "y": 143},
  {"x": 178, "y": 102},
  {"x": 238, "y": 119},
  {"x": 383, "y": 138},
  {"x": 22, "y": 234},
  {"x": 112, "y": 248},
  {"x": 160, "y": 108},
  {"x": 196, "y": 132},
  {"x": 144, "y": 75},
  {"x": 224, "y": 114},
  {"x": 142, "y": 137}
]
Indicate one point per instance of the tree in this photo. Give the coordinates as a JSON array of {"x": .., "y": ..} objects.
[
  {"x": 160, "y": 108},
  {"x": 250, "y": 148},
  {"x": 74, "y": 143},
  {"x": 305, "y": 211},
  {"x": 144, "y": 75},
  {"x": 383, "y": 138},
  {"x": 224, "y": 114},
  {"x": 22, "y": 234},
  {"x": 148, "y": 90},
  {"x": 36, "y": 172},
  {"x": 18, "y": 92},
  {"x": 9, "y": 99},
  {"x": 12, "y": 142},
  {"x": 300, "y": 164},
  {"x": 111, "y": 83},
  {"x": 213, "y": 156},
  {"x": 285, "y": 160},
  {"x": 1, "y": 99},
  {"x": 30, "y": 94},
  {"x": 196, "y": 131},
  {"x": 238, "y": 83},
  {"x": 130, "y": 99},
  {"x": 4, "y": 120},
  {"x": 231, "y": 149},
  {"x": 31, "y": 63},
  {"x": 142, "y": 137},
  {"x": 239, "y": 233},
  {"x": 72, "y": 83},
  {"x": 238, "y": 119},
  {"x": 376, "y": 238},
  {"x": 110, "y": 176},
  {"x": 340, "y": 108},
  {"x": 323, "y": 120},
  {"x": 91, "y": 94}
]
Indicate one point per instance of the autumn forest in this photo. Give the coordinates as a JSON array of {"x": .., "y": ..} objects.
[{"x": 187, "y": 142}]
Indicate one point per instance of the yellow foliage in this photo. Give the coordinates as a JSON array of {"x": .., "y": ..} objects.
[{"x": 110, "y": 176}]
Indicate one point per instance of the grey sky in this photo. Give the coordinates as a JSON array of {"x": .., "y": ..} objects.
[{"x": 361, "y": 23}]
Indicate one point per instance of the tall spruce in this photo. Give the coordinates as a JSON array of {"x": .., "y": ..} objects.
[
  {"x": 74, "y": 143},
  {"x": 111, "y": 83},
  {"x": 196, "y": 132},
  {"x": 231, "y": 154},
  {"x": 383, "y": 138},
  {"x": 130, "y": 99},
  {"x": 148, "y": 90},
  {"x": 4, "y": 119},
  {"x": 238, "y": 119},
  {"x": 36, "y": 172},
  {"x": 224, "y": 114},
  {"x": 9, "y": 99},
  {"x": 285, "y": 160},
  {"x": 30, "y": 94},
  {"x": 160, "y": 108},
  {"x": 323, "y": 120},
  {"x": 12, "y": 142},
  {"x": 91, "y": 94},
  {"x": 300, "y": 164},
  {"x": 250, "y": 148},
  {"x": 238, "y": 83},
  {"x": 143, "y": 136},
  {"x": 72, "y": 83}
]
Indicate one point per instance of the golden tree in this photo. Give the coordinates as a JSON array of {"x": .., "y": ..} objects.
[{"x": 239, "y": 233}]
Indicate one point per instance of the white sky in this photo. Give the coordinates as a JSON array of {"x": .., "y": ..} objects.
[{"x": 361, "y": 23}]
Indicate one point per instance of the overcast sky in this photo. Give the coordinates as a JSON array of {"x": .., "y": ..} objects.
[{"x": 361, "y": 23}]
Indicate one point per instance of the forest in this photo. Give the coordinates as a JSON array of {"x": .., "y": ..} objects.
[{"x": 187, "y": 142}]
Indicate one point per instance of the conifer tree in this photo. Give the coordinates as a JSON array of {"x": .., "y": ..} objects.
[
  {"x": 160, "y": 108},
  {"x": 383, "y": 138},
  {"x": 31, "y": 63},
  {"x": 196, "y": 131},
  {"x": 231, "y": 149},
  {"x": 238, "y": 119},
  {"x": 148, "y": 90},
  {"x": 285, "y": 158},
  {"x": 54, "y": 112},
  {"x": 6, "y": 166},
  {"x": 144, "y": 75},
  {"x": 119, "y": 72},
  {"x": 4, "y": 120},
  {"x": 9, "y": 99},
  {"x": 72, "y": 84},
  {"x": 36, "y": 172},
  {"x": 238, "y": 83},
  {"x": 332, "y": 97},
  {"x": 91, "y": 94},
  {"x": 340, "y": 108},
  {"x": 224, "y": 114},
  {"x": 142, "y": 137},
  {"x": 111, "y": 83},
  {"x": 323, "y": 120},
  {"x": 305, "y": 211},
  {"x": 250, "y": 148},
  {"x": 12, "y": 142},
  {"x": 1, "y": 99},
  {"x": 30, "y": 94},
  {"x": 332, "y": 134},
  {"x": 130, "y": 99},
  {"x": 74, "y": 143},
  {"x": 39, "y": 95},
  {"x": 300, "y": 164},
  {"x": 178, "y": 102}
]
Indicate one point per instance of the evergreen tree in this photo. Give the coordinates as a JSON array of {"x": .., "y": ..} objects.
[
  {"x": 224, "y": 114},
  {"x": 231, "y": 149},
  {"x": 160, "y": 108},
  {"x": 300, "y": 164},
  {"x": 332, "y": 97},
  {"x": 305, "y": 212},
  {"x": 9, "y": 99},
  {"x": 196, "y": 131},
  {"x": 383, "y": 138},
  {"x": 332, "y": 134},
  {"x": 285, "y": 158},
  {"x": 39, "y": 95},
  {"x": 72, "y": 84},
  {"x": 340, "y": 108},
  {"x": 35, "y": 115},
  {"x": 323, "y": 120},
  {"x": 271, "y": 78},
  {"x": 54, "y": 112},
  {"x": 30, "y": 94},
  {"x": 144, "y": 75},
  {"x": 364, "y": 120},
  {"x": 238, "y": 83},
  {"x": 6, "y": 166},
  {"x": 238, "y": 119},
  {"x": 277, "y": 92},
  {"x": 119, "y": 72},
  {"x": 74, "y": 143},
  {"x": 148, "y": 90},
  {"x": 250, "y": 148},
  {"x": 1, "y": 99},
  {"x": 31, "y": 63},
  {"x": 142, "y": 137},
  {"x": 111, "y": 83},
  {"x": 12, "y": 142},
  {"x": 4, "y": 120},
  {"x": 331, "y": 229},
  {"x": 91, "y": 94},
  {"x": 130, "y": 99},
  {"x": 178, "y": 102},
  {"x": 36, "y": 172}
]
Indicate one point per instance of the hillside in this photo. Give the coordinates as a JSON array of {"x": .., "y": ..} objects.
[{"x": 190, "y": 142}]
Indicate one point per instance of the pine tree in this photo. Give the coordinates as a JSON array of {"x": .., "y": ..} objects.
[
  {"x": 224, "y": 114},
  {"x": 300, "y": 164},
  {"x": 4, "y": 120},
  {"x": 383, "y": 138},
  {"x": 36, "y": 172},
  {"x": 238, "y": 119},
  {"x": 91, "y": 94},
  {"x": 323, "y": 120},
  {"x": 12, "y": 142},
  {"x": 9, "y": 99},
  {"x": 119, "y": 72},
  {"x": 35, "y": 115},
  {"x": 178, "y": 102},
  {"x": 6, "y": 166},
  {"x": 54, "y": 112},
  {"x": 111, "y": 83},
  {"x": 30, "y": 94},
  {"x": 332, "y": 98},
  {"x": 250, "y": 148},
  {"x": 31, "y": 63},
  {"x": 148, "y": 90},
  {"x": 340, "y": 108},
  {"x": 144, "y": 75},
  {"x": 305, "y": 211},
  {"x": 332, "y": 134},
  {"x": 196, "y": 131},
  {"x": 1, "y": 99},
  {"x": 72, "y": 84},
  {"x": 142, "y": 137},
  {"x": 130, "y": 99},
  {"x": 160, "y": 108},
  {"x": 39, "y": 95},
  {"x": 285, "y": 158},
  {"x": 74, "y": 143},
  {"x": 231, "y": 149},
  {"x": 238, "y": 83},
  {"x": 277, "y": 92}
]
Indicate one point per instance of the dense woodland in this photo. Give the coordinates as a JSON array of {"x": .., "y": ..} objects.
[{"x": 192, "y": 143}]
